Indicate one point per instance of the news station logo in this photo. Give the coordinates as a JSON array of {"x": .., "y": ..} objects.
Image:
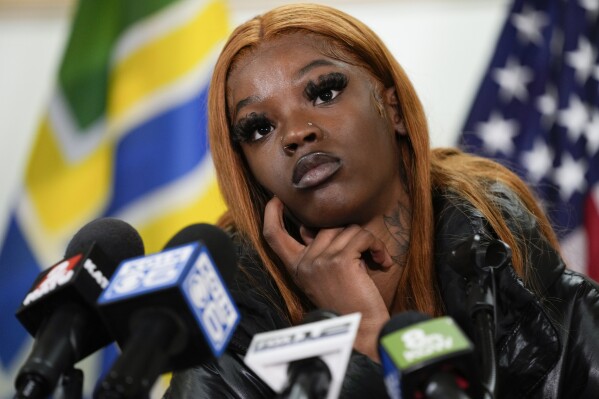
[
  {"x": 57, "y": 276},
  {"x": 429, "y": 339},
  {"x": 145, "y": 274},
  {"x": 299, "y": 337},
  {"x": 211, "y": 303}
]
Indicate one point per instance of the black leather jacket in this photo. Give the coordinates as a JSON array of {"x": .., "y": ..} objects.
[{"x": 547, "y": 343}]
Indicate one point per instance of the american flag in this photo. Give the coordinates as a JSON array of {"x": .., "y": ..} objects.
[{"x": 537, "y": 112}]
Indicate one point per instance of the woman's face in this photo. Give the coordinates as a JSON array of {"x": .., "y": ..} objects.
[{"x": 313, "y": 132}]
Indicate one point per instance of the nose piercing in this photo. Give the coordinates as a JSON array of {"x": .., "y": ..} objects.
[{"x": 309, "y": 123}]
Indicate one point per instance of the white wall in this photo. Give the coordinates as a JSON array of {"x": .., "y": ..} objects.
[{"x": 444, "y": 45}]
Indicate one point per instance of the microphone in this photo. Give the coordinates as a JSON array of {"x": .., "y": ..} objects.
[
  {"x": 426, "y": 358},
  {"x": 59, "y": 310},
  {"x": 308, "y": 360},
  {"x": 479, "y": 261},
  {"x": 169, "y": 310},
  {"x": 309, "y": 377}
]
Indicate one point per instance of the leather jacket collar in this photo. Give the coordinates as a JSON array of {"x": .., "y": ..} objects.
[{"x": 527, "y": 342}]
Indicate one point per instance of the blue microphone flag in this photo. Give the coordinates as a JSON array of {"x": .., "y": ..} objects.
[{"x": 190, "y": 271}]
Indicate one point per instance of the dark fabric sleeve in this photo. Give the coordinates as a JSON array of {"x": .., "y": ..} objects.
[
  {"x": 230, "y": 378},
  {"x": 227, "y": 377},
  {"x": 573, "y": 302},
  {"x": 363, "y": 379}
]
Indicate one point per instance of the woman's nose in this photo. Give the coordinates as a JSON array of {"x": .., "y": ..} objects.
[{"x": 302, "y": 133}]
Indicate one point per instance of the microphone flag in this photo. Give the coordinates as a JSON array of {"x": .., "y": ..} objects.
[{"x": 332, "y": 340}]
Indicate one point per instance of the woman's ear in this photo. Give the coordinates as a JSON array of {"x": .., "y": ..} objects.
[{"x": 394, "y": 111}]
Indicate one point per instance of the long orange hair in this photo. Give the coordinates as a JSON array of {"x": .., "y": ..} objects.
[{"x": 246, "y": 200}]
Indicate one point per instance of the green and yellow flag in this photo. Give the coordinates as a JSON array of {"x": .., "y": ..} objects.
[{"x": 124, "y": 136}]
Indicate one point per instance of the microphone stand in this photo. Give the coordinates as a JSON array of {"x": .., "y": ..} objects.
[
  {"x": 478, "y": 262},
  {"x": 71, "y": 386}
]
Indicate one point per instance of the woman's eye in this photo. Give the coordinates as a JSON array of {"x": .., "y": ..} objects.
[
  {"x": 261, "y": 131},
  {"x": 326, "y": 96},
  {"x": 327, "y": 88},
  {"x": 251, "y": 128}
]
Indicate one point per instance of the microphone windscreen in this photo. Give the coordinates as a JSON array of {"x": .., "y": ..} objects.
[
  {"x": 218, "y": 242},
  {"x": 402, "y": 320},
  {"x": 117, "y": 239}
]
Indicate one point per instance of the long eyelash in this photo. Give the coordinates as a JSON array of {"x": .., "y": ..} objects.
[
  {"x": 332, "y": 81},
  {"x": 243, "y": 130}
]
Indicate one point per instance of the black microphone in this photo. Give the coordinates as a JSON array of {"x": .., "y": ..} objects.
[
  {"x": 309, "y": 378},
  {"x": 427, "y": 358},
  {"x": 307, "y": 361},
  {"x": 169, "y": 310},
  {"x": 479, "y": 261},
  {"x": 60, "y": 308}
]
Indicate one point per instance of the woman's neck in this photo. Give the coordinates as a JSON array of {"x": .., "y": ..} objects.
[{"x": 393, "y": 228}]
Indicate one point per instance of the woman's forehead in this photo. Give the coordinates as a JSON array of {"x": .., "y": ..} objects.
[
  {"x": 284, "y": 58},
  {"x": 280, "y": 45}
]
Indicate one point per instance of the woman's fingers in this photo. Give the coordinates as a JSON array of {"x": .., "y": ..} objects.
[
  {"x": 353, "y": 241},
  {"x": 327, "y": 245},
  {"x": 376, "y": 247},
  {"x": 292, "y": 252},
  {"x": 307, "y": 234},
  {"x": 277, "y": 236}
]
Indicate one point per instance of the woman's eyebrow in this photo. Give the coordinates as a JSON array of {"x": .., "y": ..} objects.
[
  {"x": 316, "y": 63},
  {"x": 304, "y": 70},
  {"x": 246, "y": 101}
]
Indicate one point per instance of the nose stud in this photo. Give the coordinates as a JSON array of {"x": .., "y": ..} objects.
[{"x": 309, "y": 123}]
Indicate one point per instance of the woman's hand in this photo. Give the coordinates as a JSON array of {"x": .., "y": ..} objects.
[{"x": 330, "y": 270}]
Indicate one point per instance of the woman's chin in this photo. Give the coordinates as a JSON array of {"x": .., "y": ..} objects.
[{"x": 327, "y": 220}]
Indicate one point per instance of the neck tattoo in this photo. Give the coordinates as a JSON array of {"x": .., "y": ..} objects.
[{"x": 398, "y": 224}]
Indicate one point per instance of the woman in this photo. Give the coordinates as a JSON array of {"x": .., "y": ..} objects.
[{"x": 322, "y": 155}]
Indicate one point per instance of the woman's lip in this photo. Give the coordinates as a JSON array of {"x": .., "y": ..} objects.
[{"x": 314, "y": 168}]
